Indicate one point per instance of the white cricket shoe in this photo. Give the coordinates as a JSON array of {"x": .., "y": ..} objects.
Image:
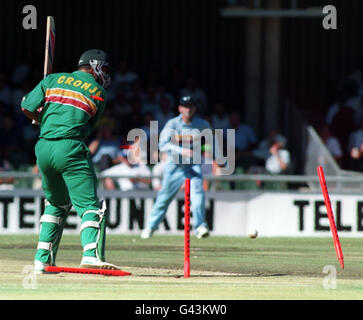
[
  {"x": 95, "y": 263},
  {"x": 39, "y": 267},
  {"x": 201, "y": 232},
  {"x": 147, "y": 233}
]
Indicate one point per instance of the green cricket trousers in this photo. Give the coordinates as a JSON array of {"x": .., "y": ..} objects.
[{"x": 68, "y": 179}]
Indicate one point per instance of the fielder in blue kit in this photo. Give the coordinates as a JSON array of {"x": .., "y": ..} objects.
[{"x": 175, "y": 137}]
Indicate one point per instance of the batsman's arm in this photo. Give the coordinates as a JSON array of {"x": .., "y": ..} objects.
[
  {"x": 33, "y": 100},
  {"x": 31, "y": 115}
]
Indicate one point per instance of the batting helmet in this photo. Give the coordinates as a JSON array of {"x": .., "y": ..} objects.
[{"x": 97, "y": 59}]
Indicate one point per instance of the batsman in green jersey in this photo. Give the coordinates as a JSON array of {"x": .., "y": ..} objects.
[{"x": 71, "y": 105}]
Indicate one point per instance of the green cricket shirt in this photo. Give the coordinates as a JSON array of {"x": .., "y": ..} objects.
[{"x": 72, "y": 103}]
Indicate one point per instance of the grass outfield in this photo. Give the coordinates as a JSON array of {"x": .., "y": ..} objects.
[{"x": 221, "y": 268}]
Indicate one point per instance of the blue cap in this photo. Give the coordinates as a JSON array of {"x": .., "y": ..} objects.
[{"x": 186, "y": 100}]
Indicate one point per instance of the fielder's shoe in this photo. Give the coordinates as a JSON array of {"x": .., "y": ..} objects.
[
  {"x": 95, "y": 263},
  {"x": 147, "y": 233},
  {"x": 201, "y": 232}
]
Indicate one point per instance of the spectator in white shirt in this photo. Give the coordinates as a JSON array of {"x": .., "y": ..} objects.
[
  {"x": 135, "y": 168},
  {"x": 262, "y": 152},
  {"x": 279, "y": 160}
]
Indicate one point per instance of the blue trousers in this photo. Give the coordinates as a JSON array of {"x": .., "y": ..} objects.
[{"x": 173, "y": 177}]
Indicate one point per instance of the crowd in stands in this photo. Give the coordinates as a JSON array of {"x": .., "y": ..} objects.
[
  {"x": 342, "y": 127},
  {"x": 134, "y": 100}
]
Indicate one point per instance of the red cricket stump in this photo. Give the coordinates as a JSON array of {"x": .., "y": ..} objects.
[
  {"x": 333, "y": 228},
  {"x": 103, "y": 272},
  {"x": 187, "y": 229}
]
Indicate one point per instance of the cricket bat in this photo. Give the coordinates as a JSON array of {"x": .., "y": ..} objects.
[
  {"x": 49, "y": 46},
  {"x": 49, "y": 51}
]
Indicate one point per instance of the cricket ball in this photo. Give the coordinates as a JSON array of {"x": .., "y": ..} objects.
[{"x": 252, "y": 234}]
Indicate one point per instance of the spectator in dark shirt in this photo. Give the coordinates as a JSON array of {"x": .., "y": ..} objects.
[
  {"x": 5, "y": 91},
  {"x": 165, "y": 113},
  {"x": 11, "y": 142},
  {"x": 245, "y": 140}
]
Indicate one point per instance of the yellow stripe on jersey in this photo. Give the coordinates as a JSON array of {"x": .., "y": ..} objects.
[{"x": 71, "y": 94}]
